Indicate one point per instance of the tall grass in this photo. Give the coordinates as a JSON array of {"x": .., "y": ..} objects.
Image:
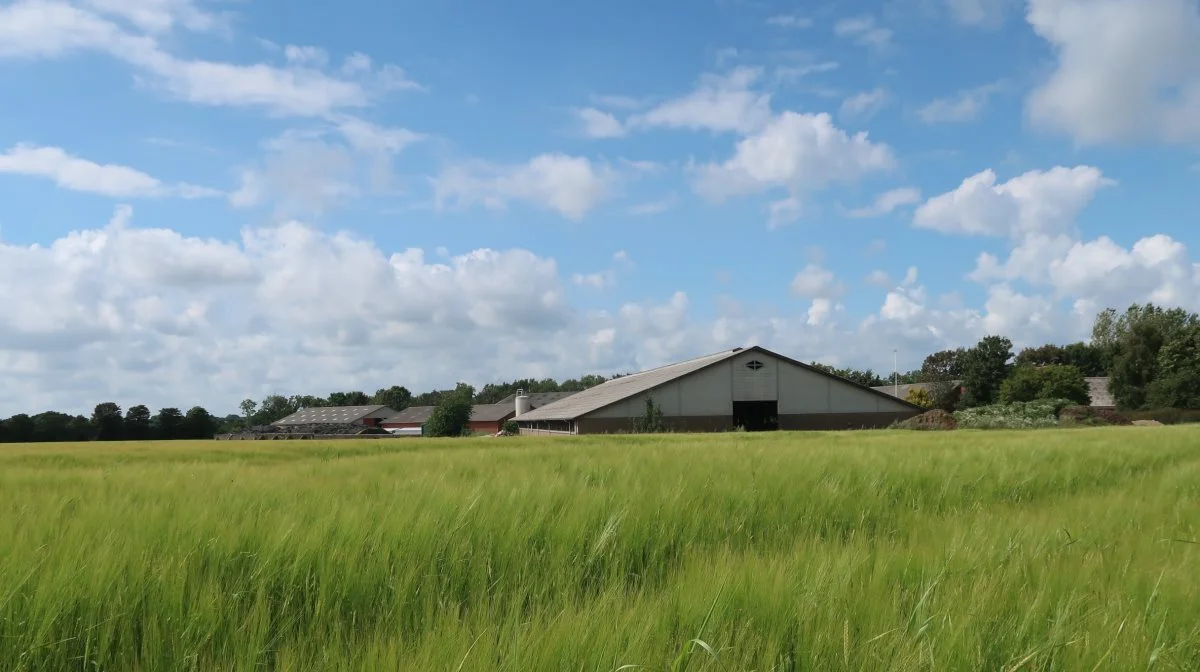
[{"x": 841, "y": 551}]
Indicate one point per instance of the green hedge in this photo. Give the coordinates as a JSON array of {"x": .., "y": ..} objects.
[{"x": 1017, "y": 415}]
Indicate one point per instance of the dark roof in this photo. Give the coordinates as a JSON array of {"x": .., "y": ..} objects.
[
  {"x": 492, "y": 412},
  {"x": 412, "y": 414},
  {"x": 536, "y": 399},
  {"x": 620, "y": 389},
  {"x": 332, "y": 414}
]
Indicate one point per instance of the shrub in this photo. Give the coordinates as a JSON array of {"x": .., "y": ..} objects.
[
  {"x": 452, "y": 415},
  {"x": 1017, "y": 415},
  {"x": 651, "y": 421},
  {"x": 1088, "y": 416},
  {"x": 511, "y": 427},
  {"x": 920, "y": 397}
]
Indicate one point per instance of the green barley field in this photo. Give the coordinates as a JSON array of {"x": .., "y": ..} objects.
[{"x": 1036, "y": 550}]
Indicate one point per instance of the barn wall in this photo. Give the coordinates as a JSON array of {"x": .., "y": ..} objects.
[{"x": 803, "y": 391}]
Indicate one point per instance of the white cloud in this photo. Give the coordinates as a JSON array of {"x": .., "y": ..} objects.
[
  {"x": 816, "y": 282},
  {"x": 569, "y": 185},
  {"x": 599, "y": 124},
  {"x": 1126, "y": 70},
  {"x": 801, "y": 152},
  {"x": 720, "y": 103},
  {"x": 158, "y": 16},
  {"x": 864, "y": 31},
  {"x": 790, "y": 21},
  {"x": 77, "y": 174},
  {"x": 53, "y": 28},
  {"x": 864, "y": 105},
  {"x": 878, "y": 278},
  {"x": 306, "y": 55},
  {"x": 965, "y": 105},
  {"x": 653, "y": 207},
  {"x": 365, "y": 136},
  {"x": 1034, "y": 202},
  {"x": 887, "y": 202}
]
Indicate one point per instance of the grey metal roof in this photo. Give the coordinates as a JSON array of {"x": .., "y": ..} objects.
[
  {"x": 412, "y": 414},
  {"x": 331, "y": 414},
  {"x": 613, "y": 391},
  {"x": 537, "y": 399},
  {"x": 492, "y": 412},
  {"x": 901, "y": 391},
  {"x": 604, "y": 394}
]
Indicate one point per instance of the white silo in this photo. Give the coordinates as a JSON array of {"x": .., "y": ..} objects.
[{"x": 522, "y": 404}]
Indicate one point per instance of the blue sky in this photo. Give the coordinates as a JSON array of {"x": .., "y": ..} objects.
[{"x": 202, "y": 201}]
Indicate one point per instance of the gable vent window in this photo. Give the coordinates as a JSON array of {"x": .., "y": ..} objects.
[{"x": 754, "y": 365}]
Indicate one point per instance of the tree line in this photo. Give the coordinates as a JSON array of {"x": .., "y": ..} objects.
[{"x": 1150, "y": 354}]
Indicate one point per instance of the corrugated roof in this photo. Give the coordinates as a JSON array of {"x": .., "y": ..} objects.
[
  {"x": 492, "y": 412},
  {"x": 901, "y": 391},
  {"x": 537, "y": 399},
  {"x": 330, "y": 414},
  {"x": 595, "y": 398},
  {"x": 411, "y": 414}
]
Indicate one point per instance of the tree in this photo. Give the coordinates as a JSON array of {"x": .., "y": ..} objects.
[
  {"x": 346, "y": 399},
  {"x": 396, "y": 397},
  {"x": 199, "y": 424},
  {"x": 168, "y": 424},
  {"x": 1056, "y": 381},
  {"x": 651, "y": 420},
  {"x": 274, "y": 407},
  {"x": 55, "y": 426},
  {"x": 107, "y": 422},
  {"x": 1177, "y": 381},
  {"x": 943, "y": 365},
  {"x": 920, "y": 397},
  {"x": 20, "y": 428},
  {"x": 1089, "y": 358},
  {"x": 249, "y": 407},
  {"x": 299, "y": 401},
  {"x": 137, "y": 423},
  {"x": 1044, "y": 355},
  {"x": 984, "y": 369},
  {"x": 452, "y": 414},
  {"x": 944, "y": 394}
]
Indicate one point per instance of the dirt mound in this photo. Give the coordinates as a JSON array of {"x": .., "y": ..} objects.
[
  {"x": 931, "y": 420},
  {"x": 1147, "y": 423}
]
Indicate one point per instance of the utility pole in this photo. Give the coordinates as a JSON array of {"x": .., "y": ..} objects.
[{"x": 895, "y": 373}]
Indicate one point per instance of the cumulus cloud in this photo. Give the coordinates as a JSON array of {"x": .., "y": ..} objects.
[
  {"x": 1125, "y": 70},
  {"x": 816, "y": 282},
  {"x": 864, "y": 105},
  {"x": 599, "y": 124},
  {"x": 78, "y": 174},
  {"x": 796, "y": 151},
  {"x": 569, "y": 185},
  {"x": 1034, "y": 202}
]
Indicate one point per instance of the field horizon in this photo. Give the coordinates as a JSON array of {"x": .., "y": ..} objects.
[{"x": 1057, "y": 549}]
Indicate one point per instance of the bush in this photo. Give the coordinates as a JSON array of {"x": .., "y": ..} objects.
[
  {"x": 920, "y": 397},
  {"x": 511, "y": 427},
  {"x": 1088, "y": 416},
  {"x": 452, "y": 415},
  {"x": 1018, "y": 415}
]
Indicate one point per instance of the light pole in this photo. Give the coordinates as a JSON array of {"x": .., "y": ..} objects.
[{"x": 895, "y": 373}]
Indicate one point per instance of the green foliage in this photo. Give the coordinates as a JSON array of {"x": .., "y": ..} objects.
[
  {"x": 944, "y": 365},
  {"x": 355, "y": 398},
  {"x": 198, "y": 423},
  {"x": 1056, "y": 381},
  {"x": 1090, "y": 359},
  {"x": 452, "y": 414},
  {"x": 1135, "y": 339},
  {"x": 168, "y": 424},
  {"x": 511, "y": 427},
  {"x": 137, "y": 423},
  {"x": 920, "y": 397},
  {"x": 1018, "y": 415},
  {"x": 978, "y": 552},
  {"x": 396, "y": 397},
  {"x": 984, "y": 368},
  {"x": 865, "y": 377},
  {"x": 651, "y": 420},
  {"x": 107, "y": 422},
  {"x": 1177, "y": 380}
]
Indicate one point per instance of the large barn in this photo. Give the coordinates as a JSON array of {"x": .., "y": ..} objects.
[{"x": 752, "y": 388}]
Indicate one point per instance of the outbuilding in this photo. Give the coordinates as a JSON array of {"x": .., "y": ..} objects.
[
  {"x": 370, "y": 416},
  {"x": 749, "y": 388}
]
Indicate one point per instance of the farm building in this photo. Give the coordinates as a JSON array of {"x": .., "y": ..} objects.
[
  {"x": 752, "y": 388},
  {"x": 370, "y": 416},
  {"x": 485, "y": 418}
]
